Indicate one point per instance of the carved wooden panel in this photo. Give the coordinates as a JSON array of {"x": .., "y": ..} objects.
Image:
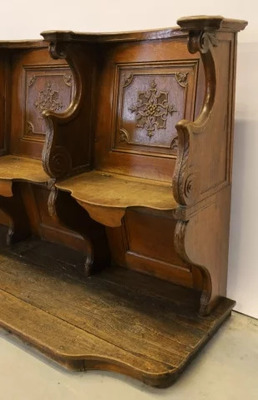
[
  {"x": 149, "y": 102},
  {"x": 137, "y": 226},
  {"x": 46, "y": 88}
]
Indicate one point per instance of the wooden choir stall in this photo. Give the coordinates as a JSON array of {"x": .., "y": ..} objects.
[{"x": 115, "y": 182}]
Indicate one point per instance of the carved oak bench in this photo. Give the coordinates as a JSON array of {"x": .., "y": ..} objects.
[{"x": 120, "y": 148}]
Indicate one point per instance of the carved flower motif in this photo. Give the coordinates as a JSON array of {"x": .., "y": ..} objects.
[
  {"x": 48, "y": 99},
  {"x": 152, "y": 109}
]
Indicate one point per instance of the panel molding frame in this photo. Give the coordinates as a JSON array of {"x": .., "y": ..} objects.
[
  {"x": 41, "y": 71},
  {"x": 166, "y": 68}
]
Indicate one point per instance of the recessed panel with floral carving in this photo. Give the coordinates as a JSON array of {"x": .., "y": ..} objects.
[
  {"x": 149, "y": 105},
  {"x": 46, "y": 88}
]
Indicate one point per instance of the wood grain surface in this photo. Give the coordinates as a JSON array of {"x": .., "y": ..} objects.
[
  {"x": 118, "y": 320},
  {"x": 22, "y": 169},
  {"x": 106, "y": 196},
  {"x": 118, "y": 146}
]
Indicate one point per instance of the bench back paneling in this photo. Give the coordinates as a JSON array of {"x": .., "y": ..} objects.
[{"x": 142, "y": 90}]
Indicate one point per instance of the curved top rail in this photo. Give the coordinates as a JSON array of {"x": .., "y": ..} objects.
[{"x": 201, "y": 22}]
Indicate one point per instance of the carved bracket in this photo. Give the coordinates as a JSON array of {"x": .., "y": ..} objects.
[
  {"x": 186, "y": 179},
  {"x": 61, "y": 157},
  {"x": 57, "y": 50},
  {"x": 201, "y": 41}
]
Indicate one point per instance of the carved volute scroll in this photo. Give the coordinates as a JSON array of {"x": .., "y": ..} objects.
[
  {"x": 186, "y": 185},
  {"x": 56, "y": 159},
  {"x": 196, "y": 156},
  {"x": 67, "y": 150}
]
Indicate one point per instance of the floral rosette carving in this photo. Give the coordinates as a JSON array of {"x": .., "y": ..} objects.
[{"x": 152, "y": 109}]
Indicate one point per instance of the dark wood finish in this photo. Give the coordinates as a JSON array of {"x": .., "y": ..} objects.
[
  {"x": 119, "y": 146},
  {"x": 18, "y": 220},
  {"x": 105, "y": 322}
]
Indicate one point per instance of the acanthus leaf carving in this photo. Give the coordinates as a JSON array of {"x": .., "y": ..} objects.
[
  {"x": 29, "y": 128},
  {"x": 181, "y": 78},
  {"x": 201, "y": 41},
  {"x": 32, "y": 80},
  {"x": 128, "y": 80},
  {"x": 186, "y": 181},
  {"x": 174, "y": 144},
  {"x": 68, "y": 79},
  {"x": 124, "y": 136}
]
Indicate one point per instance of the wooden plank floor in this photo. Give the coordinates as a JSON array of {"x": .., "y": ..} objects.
[{"x": 118, "y": 320}]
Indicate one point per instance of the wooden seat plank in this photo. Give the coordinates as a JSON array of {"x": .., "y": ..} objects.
[
  {"x": 107, "y": 196},
  {"x": 16, "y": 168}
]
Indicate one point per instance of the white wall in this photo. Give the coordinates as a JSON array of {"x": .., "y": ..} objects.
[{"x": 25, "y": 19}]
